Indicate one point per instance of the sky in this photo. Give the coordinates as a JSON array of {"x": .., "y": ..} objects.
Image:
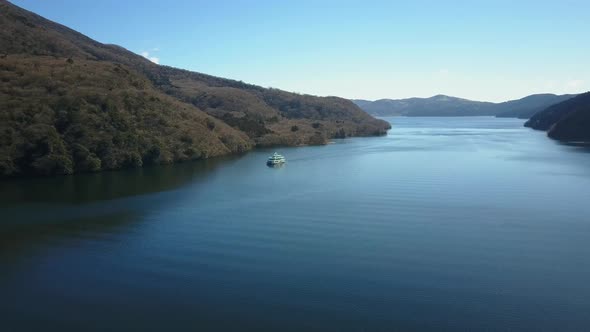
[{"x": 481, "y": 50}]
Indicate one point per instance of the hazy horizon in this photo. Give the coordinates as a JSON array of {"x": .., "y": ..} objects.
[
  {"x": 459, "y": 97},
  {"x": 139, "y": 195},
  {"x": 488, "y": 51}
]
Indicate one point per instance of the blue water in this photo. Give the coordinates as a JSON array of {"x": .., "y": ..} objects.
[{"x": 446, "y": 224}]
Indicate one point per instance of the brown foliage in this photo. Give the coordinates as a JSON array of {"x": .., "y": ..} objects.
[{"x": 71, "y": 104}]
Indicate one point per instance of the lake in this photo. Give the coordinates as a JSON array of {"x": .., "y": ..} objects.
[{"x": 445, "y": 224}]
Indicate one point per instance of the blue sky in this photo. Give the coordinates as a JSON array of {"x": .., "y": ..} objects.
[{"x": 482, "y": 50}]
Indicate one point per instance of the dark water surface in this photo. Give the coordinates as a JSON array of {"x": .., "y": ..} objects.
[{"x": 445, "y": 224}]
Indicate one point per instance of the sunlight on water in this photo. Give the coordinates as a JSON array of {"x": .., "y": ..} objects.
[{"x": 444, "y": 224}]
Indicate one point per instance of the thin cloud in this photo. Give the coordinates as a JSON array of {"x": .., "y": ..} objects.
[{"x": 153, "y": 59}]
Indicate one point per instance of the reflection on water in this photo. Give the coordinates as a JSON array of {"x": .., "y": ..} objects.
[
  {"x": 39, "y": 212},
  {"x": 91, "y": 187},
  {"x": 449, "y": 224},
  {"x": 275, "y": 165},
  {"x": 22, "y": 240}
]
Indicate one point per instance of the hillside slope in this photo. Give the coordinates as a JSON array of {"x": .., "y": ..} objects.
[
  {"x": 71, "y": 104},
  {"x": 528, "y": 106},
  {"x": 112, "y": 119},
  {"x": 567, "y": 121},
  {"x": 442, "y": 105}
]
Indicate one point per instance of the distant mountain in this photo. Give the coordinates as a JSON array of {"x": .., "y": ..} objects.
[
  {"x": 442, "y": 105},
  {"x": 71, "y": 104},
  {"x": 567, "y": 121},
  {"x": 439, "y": 105},
  {"x": 526, "y": 107}
]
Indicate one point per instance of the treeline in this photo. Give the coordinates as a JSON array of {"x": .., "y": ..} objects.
[
  {"x": 566, "y": 121},
  {"x": 71, "y": 104},
  {"x": 111, "y": 119}
]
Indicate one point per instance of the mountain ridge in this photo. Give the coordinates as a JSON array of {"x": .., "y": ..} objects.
[
  {"x": 71, "y": 104},
  {"x": 568, "y": 121},
  {"x": 443, "y": 105}
]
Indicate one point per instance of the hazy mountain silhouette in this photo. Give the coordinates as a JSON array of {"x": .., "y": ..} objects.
[
  {"x": 566, "y": 121},
  {"x": 442, "y": 105}
]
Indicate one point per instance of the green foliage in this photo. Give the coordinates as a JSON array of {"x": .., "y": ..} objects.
[
  {"x": 253, "y": 128},
  {"x": 43, "y": 152},
  {"x": 210, "y": 124},
  {"x": 567, "y": 121},
  {"x": 318, "y": 138},
  {"x": 84, "y": 160},
  {"x": 152, "y": 156},
  {"x": 102, "y": 124},
  {"x": 70, "y": 104}
]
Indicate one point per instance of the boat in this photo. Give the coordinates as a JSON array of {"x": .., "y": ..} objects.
[{"x": 275, "y": 160}]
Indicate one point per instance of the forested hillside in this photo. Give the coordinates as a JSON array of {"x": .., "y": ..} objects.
[
  {"x": 71, "y": 104},
  {"x": 567, "y": 121}
]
